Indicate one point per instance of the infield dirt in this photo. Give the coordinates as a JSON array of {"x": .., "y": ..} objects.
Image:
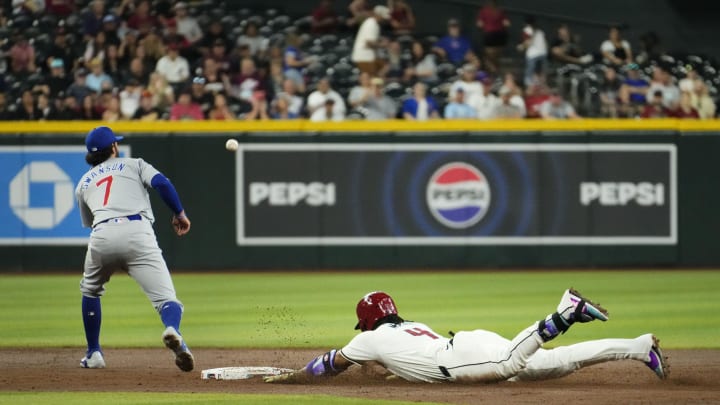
[{"x": 693, "y": 379}]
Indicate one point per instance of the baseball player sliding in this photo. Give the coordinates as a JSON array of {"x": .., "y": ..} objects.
[
  {"x": 413, "y": 351},
  {"x": 114, "y": 201}
]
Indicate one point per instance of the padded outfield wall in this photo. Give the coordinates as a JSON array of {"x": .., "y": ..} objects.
[{"x": 359, "y": 195}]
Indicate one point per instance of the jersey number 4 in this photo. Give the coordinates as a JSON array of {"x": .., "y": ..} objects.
[
  {"x": 108, "y": 181},
  {"x": 421, "y": 332}
]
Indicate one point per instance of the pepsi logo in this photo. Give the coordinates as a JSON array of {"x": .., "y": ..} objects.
[{"x": 458, "y": 195}]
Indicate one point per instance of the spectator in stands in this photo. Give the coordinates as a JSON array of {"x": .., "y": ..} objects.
[
  {"x": 173, "y": 67},
  {"x": 566, "y": 48},
  {"x": 318, "y": 106},
  {"x": 535, "y": 47},
  {"x": 360, "y": 93},
  {"x": 633, "y": 91},
  {"x": 402, "y": 18},
  {"x": 471, "y": 87},
  {"x": 244, "y": 85},
  {"x": 359, "y": 11},
  {"x": 128, "y": 47},
  {"x": 94, "y": 49},
  {"x": 112, "y": 110},
  {"x": 66, "y": 109},
  {"x": 87, "y": 109},
  {"x": 26, "y": 109},
  {"x": 685, "y": 109},
  {"x": 615, "y": 50},
  {"x": 185, "y": 110},
  {"x": 79, "y": 88},
  {"x": 664, "y": 81},
  {"x": 200, "y": 95},
  {"x": 422, "y": 65},
  {"x": 454, "y": 47},
  {"x": 163, "y": 94},
  {"x": 172, "y": 36},
  {"x": 92, "y": 20},
  {"x": 487, "y": 103},
  {"x": 556, "y": 108},
  {"x": 187, "y": 25},
  {"x": 367, "y": 40},
  {"x": 60, "y": 8},
  {"x": 135, "y": 71},
  {"x": 5, "y": 115},
  {"x": 535, "y": 95},
  {"x": 494, "y": 24},
  {"x": 58, "y": 80},
  {"x": 324, "y": 18},
  {"x": 691, "y": 79},
  {"x": 130, "y": 98},
  {"x": 655, "y": 108},
  {"x": 146, "y": 111},
  {"x": 393, "y": 63},
  {"x": 280, "y": 109},
  {"x": 215, "y": 81},
  {"x": 257, "y": 44},
  {"x": 458, "y": 108},
  {"x": 506, "y": 109},
  {"x": 141, "y": 19},
  {"x": 610, "y": 93},
  {"x": 60, "y": 49},
  {"x": 22, "y": 56},
  {"x": 220, "y": 109},
  {"x": 45, "y": 109},
  {"x": 215, "y": 31},
  {"x": 219, "y": 54},
  {"x": 110, "y": 29},
  {"x": 420, "y": 106},
  {"x": 97, "y": 77},
  {"x": 290, "y": 94},
  {"x": 702, "y": 101},
  {"x": 112, "y": 64},
  {"x": 516, "y": 93},
  {"x": 378, "y": 106},
  {"x": 153, "y": 46},
  {"x": 294, "y": 61}
]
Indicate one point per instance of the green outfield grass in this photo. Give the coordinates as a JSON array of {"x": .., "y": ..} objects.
[
  {"x": 85, "y": 398},
  {"x": 318, "y": 309}
]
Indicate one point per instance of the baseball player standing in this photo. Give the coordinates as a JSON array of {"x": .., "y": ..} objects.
[
  {"x": 114, "y": 201},
  {"x": 414, "y": 352}
]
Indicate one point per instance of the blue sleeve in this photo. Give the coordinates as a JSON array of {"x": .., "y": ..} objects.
[
  {"x": 407, "y": 107},
  {"x": 167, "y": 192}
]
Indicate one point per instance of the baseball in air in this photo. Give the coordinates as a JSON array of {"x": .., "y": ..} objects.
[{"x": 232, "y": 145}]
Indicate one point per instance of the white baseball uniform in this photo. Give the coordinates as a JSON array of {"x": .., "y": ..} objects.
[
  {"x": 114, "y": 201},
  {"x": 415, "y": 352}
]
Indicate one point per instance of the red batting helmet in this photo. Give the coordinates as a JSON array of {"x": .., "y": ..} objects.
[{"x": 373, "y": 307}]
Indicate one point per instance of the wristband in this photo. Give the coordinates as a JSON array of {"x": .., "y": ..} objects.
[{"x": 322, "y": 365}]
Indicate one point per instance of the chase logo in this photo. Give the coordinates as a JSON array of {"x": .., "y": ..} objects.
[{"x": 458, "y": 195}]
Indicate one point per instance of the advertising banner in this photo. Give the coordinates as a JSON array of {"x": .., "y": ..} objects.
[
  {"x": 438, "y": 194},
  {"x": 37, "y": 194}
]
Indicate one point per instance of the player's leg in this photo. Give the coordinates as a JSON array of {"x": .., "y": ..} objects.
[
  {"x": 147, "y": 267},
  {"x": 561, "y": 361},
  {"x": 98, "y": 267},
  {"x": 484, "y": 357}
]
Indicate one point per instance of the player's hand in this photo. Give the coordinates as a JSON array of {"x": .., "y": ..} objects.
[
  {"x": 287, "y": 378},
  {"x": 181, "y": 224}
]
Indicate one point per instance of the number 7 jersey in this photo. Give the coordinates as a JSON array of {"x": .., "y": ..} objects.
[
  {"x": 408, "y": 350},
  {"x": 115, "y": 188}
]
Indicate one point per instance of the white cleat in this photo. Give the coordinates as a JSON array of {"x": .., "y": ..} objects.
[
  {"x": 174, "y": 341},
  {"x": 94, "y": 360}
]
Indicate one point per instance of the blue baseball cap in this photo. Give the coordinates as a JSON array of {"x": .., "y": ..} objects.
[{"x": 100, "y": 138}]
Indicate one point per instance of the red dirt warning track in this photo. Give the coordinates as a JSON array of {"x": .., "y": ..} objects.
[{"x": 695, "y": 378}]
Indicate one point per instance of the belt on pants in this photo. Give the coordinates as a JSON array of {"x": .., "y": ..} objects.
[{"x": 135, "y": 217}]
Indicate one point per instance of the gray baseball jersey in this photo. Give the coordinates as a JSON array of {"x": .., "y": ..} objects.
[
  {"x": 109, "y": 195},
  {"x": 115, "y": 188}
]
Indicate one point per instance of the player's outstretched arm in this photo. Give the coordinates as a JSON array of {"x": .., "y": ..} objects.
[{"x": 328, "y": 364}]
